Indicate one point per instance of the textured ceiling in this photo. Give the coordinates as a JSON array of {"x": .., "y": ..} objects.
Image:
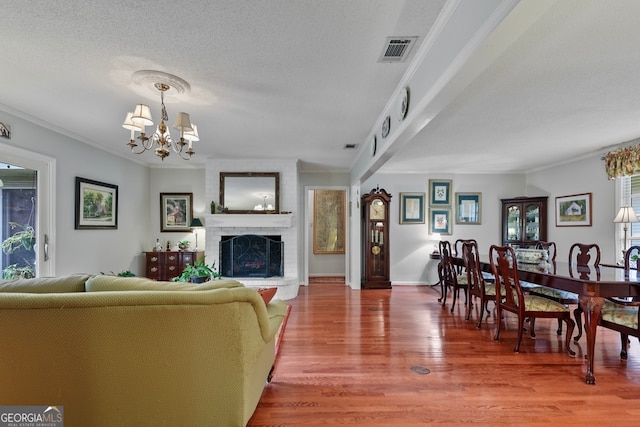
[{"x": 300, "y": 79}]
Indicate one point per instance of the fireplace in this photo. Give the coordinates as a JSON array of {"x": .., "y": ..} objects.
[{"x": 251, "y": 255}]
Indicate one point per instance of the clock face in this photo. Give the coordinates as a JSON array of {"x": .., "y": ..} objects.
[{"x": 376, "y": 209}]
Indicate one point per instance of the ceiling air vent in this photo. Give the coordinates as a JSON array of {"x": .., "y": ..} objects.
[
  {"x": 350, "y": 146},
  {"x": 397, "y": 49}
]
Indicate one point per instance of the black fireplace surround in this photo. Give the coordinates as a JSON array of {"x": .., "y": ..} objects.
[{"x": 250, "y": 255}]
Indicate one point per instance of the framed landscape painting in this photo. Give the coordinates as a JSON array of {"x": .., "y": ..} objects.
[
  {"x": 573, "y": 210},
  {"x": 96, "y": 205},
  {"x": 176, "y": 211}
]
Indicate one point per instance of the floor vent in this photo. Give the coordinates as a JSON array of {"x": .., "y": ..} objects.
[
  {"x": 397, "y": 49},
  {"x": 420, "y": 370}
]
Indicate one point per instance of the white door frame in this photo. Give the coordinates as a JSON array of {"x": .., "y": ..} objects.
[{"x": 46, "y": 168}]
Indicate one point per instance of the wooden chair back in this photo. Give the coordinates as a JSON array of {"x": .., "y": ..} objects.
[
  {"x": 631, "y": 258},
  {"x": 550, "y": 247},
  {"x": 582, "y": 258},
  {"x": 505, "y": 270}
]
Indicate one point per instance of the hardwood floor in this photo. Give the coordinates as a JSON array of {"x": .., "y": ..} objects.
[{"x": 347, "y": 357}]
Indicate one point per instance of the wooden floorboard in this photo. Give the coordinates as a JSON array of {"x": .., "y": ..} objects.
[{"x": 346, "y": 358}]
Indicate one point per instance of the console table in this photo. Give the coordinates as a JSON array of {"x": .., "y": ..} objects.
[{"x": 165, "y": 265}]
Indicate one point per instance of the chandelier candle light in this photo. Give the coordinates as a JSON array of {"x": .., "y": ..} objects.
[{"x": 161, "y": 139}]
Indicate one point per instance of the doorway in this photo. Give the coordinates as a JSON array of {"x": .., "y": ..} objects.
[
  {"x": 330, "y": 265},
  {"x": 26, "y": 220}
]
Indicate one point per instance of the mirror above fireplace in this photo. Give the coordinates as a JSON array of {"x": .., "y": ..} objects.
[{"x": 250, "y": 192}]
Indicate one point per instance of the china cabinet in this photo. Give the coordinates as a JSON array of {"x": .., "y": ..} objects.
[
  {"x": 524, "y": 221},
  {"x": 375, "y": 235}
]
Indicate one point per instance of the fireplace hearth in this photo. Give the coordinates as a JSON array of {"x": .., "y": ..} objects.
[{"x": 251, "y": 255}]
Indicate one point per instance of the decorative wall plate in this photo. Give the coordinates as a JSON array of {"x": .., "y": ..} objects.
[
  {"x": 374, "y": 145},
  {"x": 403, "y": 104},
  {"x": 386, "y": 126}
]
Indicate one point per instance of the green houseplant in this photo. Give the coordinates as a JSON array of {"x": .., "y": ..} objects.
[
  {"x": 198, "y": 272},
  {"x": 25, "y": 237}
]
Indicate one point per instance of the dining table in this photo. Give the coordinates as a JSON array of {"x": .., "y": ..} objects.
[{"x": 592, "y": 284}]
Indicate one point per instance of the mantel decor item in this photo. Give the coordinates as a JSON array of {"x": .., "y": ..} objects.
[
  {"x": 161, "y": 140},
  {"x": 176, "y": 212},
  {"x": 469, "y": 208},
  {"x": 573, "y": 210},
  {"x": 411, "y": 208},
  {"x": 96, "y": 205}
]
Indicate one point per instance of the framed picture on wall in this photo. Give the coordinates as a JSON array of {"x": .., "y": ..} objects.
[
  {"x": 573, "y": 210},
  {"x": 329, "y": 222},
  {"x": 440, "y": 220},
  {"x": 176, "y": 212},
  {"x": 411, "y": 208},
  {"x": 439, "y": 192},
  {"x": 468, "y": 208},
  {"x": 96, "y": 205}
]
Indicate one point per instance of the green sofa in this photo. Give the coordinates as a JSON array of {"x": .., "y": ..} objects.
[{"x": 134, "y": 352}]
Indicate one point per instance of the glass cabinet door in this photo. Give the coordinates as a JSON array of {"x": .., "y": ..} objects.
[
  {"x": 532, "y": 224},
  {"x": 513, "y": 223}
]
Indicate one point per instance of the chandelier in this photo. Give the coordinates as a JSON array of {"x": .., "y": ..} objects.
[{"x": 161, "y": 140}]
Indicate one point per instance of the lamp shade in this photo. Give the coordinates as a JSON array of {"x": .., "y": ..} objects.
[
  {"x": 192, "y": 135},
  {"x": 130, "y": 124},
  {"x": 625, "y": 215},
  {"x": 142, "y": 115},
  {"x": 183, "y": 122},
  {"x": 195, "y": 222}
]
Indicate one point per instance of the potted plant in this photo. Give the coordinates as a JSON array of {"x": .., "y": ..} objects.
[
  {"x": 198, "y": 272},
  {"x": 183, "y": 245},
  {"x": 24, "y": 238}
]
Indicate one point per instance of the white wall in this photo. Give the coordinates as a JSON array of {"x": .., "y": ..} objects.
[
  {"x": 582, "y": 176},
  {"x": 411, "y": 244},
  {"x": 163, "y": 180},
  {"x": 91, "y": 251}
]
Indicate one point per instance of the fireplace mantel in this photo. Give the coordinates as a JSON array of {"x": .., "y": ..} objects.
[{"x": 249, "y": 221}]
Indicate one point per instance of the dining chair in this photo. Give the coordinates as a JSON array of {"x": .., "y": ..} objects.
[
  {"x": 631, "y": 256},
  {"x": 623, "y": 315},
  {"x": 563, "y": 297},
  {"x": 442, "y": 246},
  {"x": 513, "y": 299},
  {"x": 477, "y": 285},
  {"x": 550, "y": 247},
  {"x": 582, "y": 258},
  {"x": 450, "y": 278}
]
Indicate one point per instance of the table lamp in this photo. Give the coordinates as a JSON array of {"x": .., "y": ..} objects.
[
  {"x": 625, "y": 216},
  {"x": 196, "y": 223}
]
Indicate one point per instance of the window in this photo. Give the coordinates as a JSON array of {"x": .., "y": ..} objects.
[{"x": 629, "y": 194}]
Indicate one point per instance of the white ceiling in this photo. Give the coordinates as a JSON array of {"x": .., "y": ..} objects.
[{"x": 300, "y": 79}]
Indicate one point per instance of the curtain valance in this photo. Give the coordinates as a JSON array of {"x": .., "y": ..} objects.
[{"x": 623, "y": 162}]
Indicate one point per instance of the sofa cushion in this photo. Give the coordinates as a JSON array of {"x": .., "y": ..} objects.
[
  {"x": 46, "y": 285},
  {"x": 116, "y": 283}
]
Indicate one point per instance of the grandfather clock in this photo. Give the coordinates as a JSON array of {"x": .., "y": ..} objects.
[{"x": 375, "y": 235}]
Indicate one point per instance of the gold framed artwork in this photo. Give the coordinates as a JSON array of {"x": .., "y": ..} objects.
[{"x": 329, "y": 222}]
